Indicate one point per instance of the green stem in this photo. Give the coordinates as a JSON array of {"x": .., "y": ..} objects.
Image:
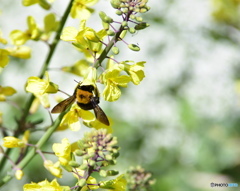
[
  {"x": 108, "y": 48},
  {"x": 49, "y": 132}
]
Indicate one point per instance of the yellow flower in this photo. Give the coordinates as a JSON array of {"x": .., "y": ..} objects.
[
  {"x": 81, "y": 10},
  {"x": 112, "y": 79},
  {"x": 79, "y": 68},
  {"x": 71, "y": 118},
  {"x": 54, "y": 169},
  {"x": 45, "y": 186},
  {"x": 91, "y": 77},
  {"x": 43, "y": 3},
  {"x": 19, "y": 37},
  {"x": 12, "y": 142},
  {"x": 135, "y": 71},
  {"x": 3, "y": 58},
  {"x": 23, "y": 52},
  {"x": 6, "y": 91},
  {"x": 118, "y": 184},
  {"x": 41, "y": 87},
  {"x": 63, "y": 152},
  {"x": 50, "y": 25},
  {"x": 19, "y": 174},
  {"x": 85, "y": 40}
]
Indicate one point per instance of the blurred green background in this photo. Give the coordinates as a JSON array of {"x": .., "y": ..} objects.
[{"x": 182, "y": 123}]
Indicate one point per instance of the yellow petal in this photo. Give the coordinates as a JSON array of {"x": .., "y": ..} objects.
[
  {"x": 69, "y": 34},
  {"x": 18, "y": 37},
  {"x": 111, "y": 92},
  {"x": 4, "y": 57},
  {"x": 23, "y": 52}
]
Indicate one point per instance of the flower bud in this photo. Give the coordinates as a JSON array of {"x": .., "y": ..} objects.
[
  {"x": 124, "y": 23},
  {"x": 123, "y": 34},
  {"x": 81, "y": 182},
  {"x": 83, "y": 166},
  {"x": 105, "y": 25},
  {"x": 110, "y": 33},
  {"x": 79, "y": 152},
  {"x": 112, "y": 172},
  {"x": 118, "y": 12},
  {"x": 115, "y": 3},
  {"x": 141, "y": 26},
  {"x": 73, "y": 164},
  {"x": 132, "y": 30},
  {"x": 103, "y": 173},
  {"x": 134, "y": 47},
  {"x": 139, "y": 19},
  {"x": 143, "y": 10},
  {"x": 115, "y": 50},
  {"x": 108, "y": 157},
  {"x": 91, "y": 162},
  {"x": 100, "y": 153}
]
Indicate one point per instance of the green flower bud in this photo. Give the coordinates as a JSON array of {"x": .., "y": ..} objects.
[
  {"x": 118, "y": 12},
  {"x": 115, "y": 3},
  {"x": 105, "y": 18},
  {"x": 124, "y": 10},
  {"x": 108, "y": 19},
  {"x": 124, "y": 23},
  {"x": 143, "y": 10},
  {"x": 91, "y": 154},
  {"x": 114, "y": 140},
  {"x": 136, "y": 10},
  {"x": 86, "y": 157},
  {"x": 112, "y": 162},
  {"x": 116, "y": 155},
  {"x": 102, "y": 15},
  {"x": 79, "y": 152},
  {"x": 112, "y": 172},
  {"x": 105, "y": 25},
  {"x": 123, "y": 34},
  {"x": 44, "y": 4},
  {"x": 132, "y": 30},
  {"x": 110, "y": 33},
  {"x": 141, "y": 26},
  {"x": 108, "y": 157},
  {"x": 100, "y": 148},
  {"x": 133, "y": 47},
  {"x": 86, "y": 145},
  {"x": 73, "y": 164},
  {"x": 91, "y": 162},
  {"x": 139, "y": 19},
  {"x": 83, "y": 166},
  {"x": 115, "y": 50},
  {"x": 81, "y": 182},
  {"x": 108, "y": 137},
  {"x": 101, "y": 154},
  {"x": 133, "y": 17},
  {"x": 103, "y": 173},
  {"x": 109, "y": 148}
]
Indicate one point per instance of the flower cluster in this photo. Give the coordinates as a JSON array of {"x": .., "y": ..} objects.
[
  {"x": 98, "y": 150},
  {"x": 139, "y": 179}
]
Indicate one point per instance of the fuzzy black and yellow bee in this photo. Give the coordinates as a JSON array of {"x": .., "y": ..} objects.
[{"x": 87, "y": 98}]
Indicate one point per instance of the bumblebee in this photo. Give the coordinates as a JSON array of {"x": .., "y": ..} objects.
[{"x": 87, "y": 98}]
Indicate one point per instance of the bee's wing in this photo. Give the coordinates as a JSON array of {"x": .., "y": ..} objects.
[
  {"x": 99, "y": 113},
  {"x": 63, "y": 105}
]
